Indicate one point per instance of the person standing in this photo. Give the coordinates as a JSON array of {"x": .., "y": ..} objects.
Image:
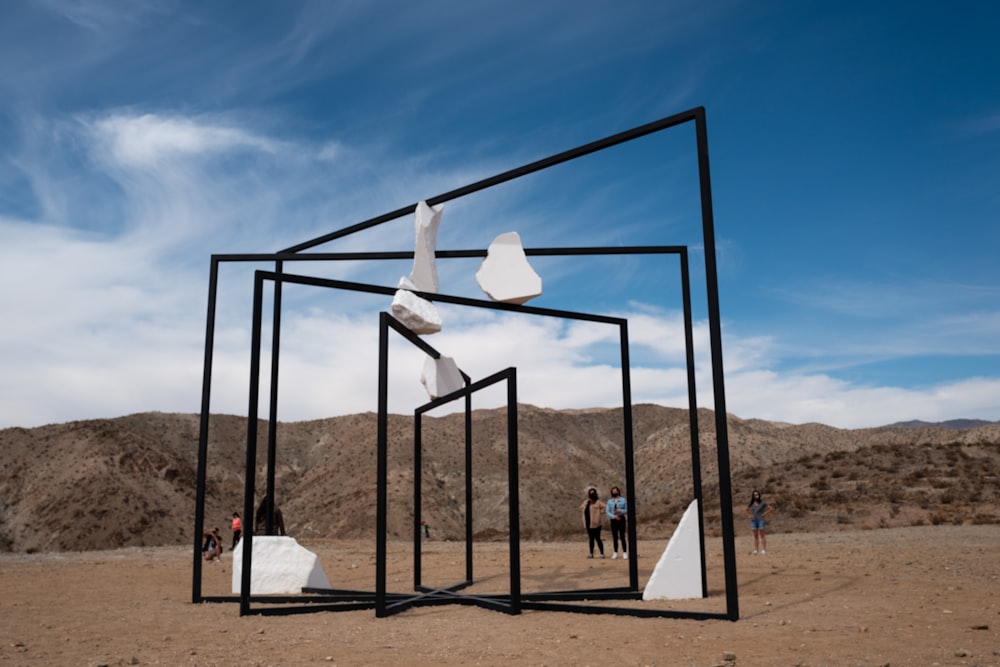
[
  {"x": 617, "y": 511},
  {"x": 237, "y": 530},
  {"x": 756, "y": 510},
  {"x": 593, "y": 510}
]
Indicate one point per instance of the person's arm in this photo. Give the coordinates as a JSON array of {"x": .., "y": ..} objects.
[{"x": 609, "y": 509}]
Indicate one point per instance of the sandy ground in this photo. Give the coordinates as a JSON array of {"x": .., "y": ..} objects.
[{"x": 926, "y": 595}]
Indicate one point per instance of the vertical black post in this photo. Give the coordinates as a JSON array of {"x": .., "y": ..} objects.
[
  {"x": 468, "y": 483},
  {"x": 633, "y": 567},
  {"x": 272, "y": 425},
  {"x": 514, "y": 511},
  {"x": 417, "y": 507},
  {"x": 696, "y": 481},
  {"x": 251, "y": 464},
  {"x": 382, "y": 466},
  {"x": 718, "y": 387},
  {"x": 206, "y": 392}
]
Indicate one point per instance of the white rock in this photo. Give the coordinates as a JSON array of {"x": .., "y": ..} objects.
[
  {"x": 418, "y": 315},
  {"x": 441, "y": 376},
  {"x": 505, "y": 274},
  {"x": 280, "y": 565},
  {"x": 677, "y": 575},
  {"x": 426, "y": 221}
]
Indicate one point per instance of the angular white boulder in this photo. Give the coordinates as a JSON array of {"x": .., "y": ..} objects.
[
  {"x": 441, "y": 376},
  {"x": 505, "y": 274},
  {"x": 415, "y": 313},
  {"x": 677, "y": 575},
  {"x": 426, "y": 221},
  {"x": 279, "y": 565}
]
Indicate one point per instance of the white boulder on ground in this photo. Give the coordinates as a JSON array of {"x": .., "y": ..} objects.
[
  {"x": 415, "y": 313},
  {"x": 279, "y": 565},
  {"x": 677, "y": 576},
  {"x": 505, "y": 274},
  {"x": 426, "y": 221},
  {"x": 441, "y": 376}
]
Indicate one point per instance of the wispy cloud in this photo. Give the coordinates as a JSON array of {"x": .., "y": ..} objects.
[{"x": 140, "y": 140}]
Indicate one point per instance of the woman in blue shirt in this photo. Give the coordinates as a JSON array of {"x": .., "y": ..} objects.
[{"x": 617, "y": 511}]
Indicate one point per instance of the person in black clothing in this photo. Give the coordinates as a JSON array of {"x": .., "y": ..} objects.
[{"x": 593, "y": 510}]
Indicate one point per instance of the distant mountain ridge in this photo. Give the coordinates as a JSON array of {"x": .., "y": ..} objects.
[
  {"x": 130, "y": 481},
  {"x": 958, "y": 424}
]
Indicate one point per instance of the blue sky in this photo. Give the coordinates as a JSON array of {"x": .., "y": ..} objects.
[{"x": 855, "y": 154}]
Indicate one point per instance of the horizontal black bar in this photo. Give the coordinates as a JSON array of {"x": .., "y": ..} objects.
[
  {"x": 443, "y": 298},
  {"x": 625, "y": 611},
  {"x": 585, "y": 595},
  {"x": 287, "y": 611},
  {"x": 511, "y": 174},
  {"x": 444, "y": 254}
]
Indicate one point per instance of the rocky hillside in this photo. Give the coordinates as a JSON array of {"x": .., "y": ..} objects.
[{"x": 131, "y": 481}]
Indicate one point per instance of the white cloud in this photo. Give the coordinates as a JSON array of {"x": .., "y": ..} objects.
[
  {"x": 148, "y": 139},
  {"x": 109, "y": 322},
  {"x": 819, "y": 398}
]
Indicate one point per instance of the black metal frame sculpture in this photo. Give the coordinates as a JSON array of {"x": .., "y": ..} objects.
[{"x": 383, "y": 601}]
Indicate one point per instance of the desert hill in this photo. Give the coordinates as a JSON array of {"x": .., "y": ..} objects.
[{"x": 130, "y": 481}]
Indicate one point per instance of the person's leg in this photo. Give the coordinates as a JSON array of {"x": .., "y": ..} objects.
[
  {"x": 756, "y": 540},
  {"x": 619, "y": 533},
  {"x": 590, "y": 538},
  {"x": 763, "y": 541},
  {"x": 614, "y": 539},
  {"x": 600, "y": 543}
]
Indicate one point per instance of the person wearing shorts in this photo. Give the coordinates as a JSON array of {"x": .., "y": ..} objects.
[{"x": 756, "y": 510}]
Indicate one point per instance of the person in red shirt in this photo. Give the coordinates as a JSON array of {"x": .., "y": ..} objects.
[{"x": 237, "y": 529}]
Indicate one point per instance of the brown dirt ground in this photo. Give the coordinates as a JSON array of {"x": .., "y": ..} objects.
[{"x": 925, "y": 595}]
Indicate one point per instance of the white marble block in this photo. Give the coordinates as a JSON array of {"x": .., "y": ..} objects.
[
  {"x": 505, "y": 274},
  {"x": 426, "y": 221},
  {"x": 417, "y": 314},
  {"x": 441, "y": 377},
  {"x": 677, "y": 576},
  {"x": 280, "y": 565}
]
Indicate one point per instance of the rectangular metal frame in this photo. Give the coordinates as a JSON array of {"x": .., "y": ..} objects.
[{"x": 295, "y": 253}]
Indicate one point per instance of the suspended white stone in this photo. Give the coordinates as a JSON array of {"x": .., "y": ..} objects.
[
  {"x": 441, "y": 377},
  {"x": 505, "y": 274},
  {"x": 415, "y": 313},
  {"x": 426, "y": 221}
]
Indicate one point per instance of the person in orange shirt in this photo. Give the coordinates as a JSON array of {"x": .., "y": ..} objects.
[{"x": 237, "y": 529}]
